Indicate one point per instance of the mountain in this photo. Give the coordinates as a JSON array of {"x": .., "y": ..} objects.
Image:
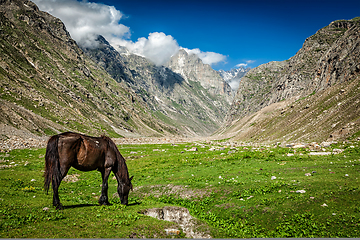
[
  {"x": 192, "y": 97},
  {"x": 233, "y": 73},
  {"x": 312, "y": 96},
  {"x": 48, "y": 85},
  {"x": 191, "y": 68},
  {"x": 233, "y": 76}
]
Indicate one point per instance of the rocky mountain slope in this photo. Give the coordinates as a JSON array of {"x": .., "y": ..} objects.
[
  {"x": 48, "y": 85},
  {"x": 319, "y": 86},
  {"x": 190, "y": 95},
  {"x": 191, "y": 68}
]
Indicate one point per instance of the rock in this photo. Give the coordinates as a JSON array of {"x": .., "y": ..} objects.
[
  {"x": 194, "y": 149},
  {"x": 299, "y": 146},
  {"x": 320, "y": 153},
  {"x": 172, "y": 232},
  {"x": 178, "y": 215}
]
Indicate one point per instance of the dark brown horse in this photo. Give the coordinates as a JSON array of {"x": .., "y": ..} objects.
[{"x": 85, "y": 153}]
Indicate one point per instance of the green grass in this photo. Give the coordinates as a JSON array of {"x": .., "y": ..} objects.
[{"x": 231, "y": 192}]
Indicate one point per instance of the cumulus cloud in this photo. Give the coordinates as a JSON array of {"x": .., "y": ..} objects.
[
  {"x": 245, "y": 64},
  {"x": 158, "y": 47},
  {"x": 85, "y": 20},
  {"x": 210, "y": 58}
]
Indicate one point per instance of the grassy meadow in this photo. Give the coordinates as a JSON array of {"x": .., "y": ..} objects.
[{"x": 234, "y": 192}]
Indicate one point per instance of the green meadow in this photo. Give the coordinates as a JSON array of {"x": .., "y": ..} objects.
[{"x": 233, "y": 192}]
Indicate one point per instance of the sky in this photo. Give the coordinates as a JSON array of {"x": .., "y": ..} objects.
[{"x": 225, "y": 34}]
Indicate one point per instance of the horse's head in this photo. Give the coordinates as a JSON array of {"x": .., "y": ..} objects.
[{"x": 123, "y": 190}]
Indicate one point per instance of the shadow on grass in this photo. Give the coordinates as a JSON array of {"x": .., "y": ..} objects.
[
  {"x": 135, "y": 203},
  {"x": 92, "y": 205},
  {"x": 79, "y": 206}
]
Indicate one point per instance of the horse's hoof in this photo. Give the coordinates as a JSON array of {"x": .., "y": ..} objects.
[
  {"x": 59, "y": 207},
  {"x": 104, "y": 203}
]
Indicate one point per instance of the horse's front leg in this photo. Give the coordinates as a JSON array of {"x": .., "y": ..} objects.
[{"x": 103, "y": 200}]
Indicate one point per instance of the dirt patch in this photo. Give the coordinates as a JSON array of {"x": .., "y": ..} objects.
[
  {"x": 178, "y": 215},
  {"x": 176, "y": 190}
]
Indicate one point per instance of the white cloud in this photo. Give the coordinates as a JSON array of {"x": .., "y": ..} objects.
[
  {"x": 85, "y": 20},
  {"x": 210, "y": 58},
  {"x": 234, "y": 83},
  {"x": 158, "y": 47},
  {"x": 241, "y": 65},
  {"x": 245, "y": 64}
]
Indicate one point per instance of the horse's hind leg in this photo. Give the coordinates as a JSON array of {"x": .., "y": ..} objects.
[
  {"x": 103, "y": 200},
  {"x": 56, "y": 200}
]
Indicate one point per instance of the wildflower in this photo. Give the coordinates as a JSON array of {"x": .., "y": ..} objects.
[
  {"x": 324, "y": 205},
  {"x": 346, "y": 175},
  {"x": 301, "y": 191},
  {"x": 220, "y": 177},
  {"x": 273, "y": 178}
]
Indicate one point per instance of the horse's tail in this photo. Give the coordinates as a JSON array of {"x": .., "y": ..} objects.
[{"x": 52, "y": 165}]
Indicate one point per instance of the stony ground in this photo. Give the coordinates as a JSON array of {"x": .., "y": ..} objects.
[{"x": 13, "y": 138}]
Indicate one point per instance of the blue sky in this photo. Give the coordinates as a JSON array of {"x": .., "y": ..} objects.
[{"x": 240, "y": 32}]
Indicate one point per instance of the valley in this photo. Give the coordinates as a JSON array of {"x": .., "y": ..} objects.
[{"x": 271, "y": 151}]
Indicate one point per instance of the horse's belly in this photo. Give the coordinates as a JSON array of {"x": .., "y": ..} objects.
[{"x": 87, "y": 163}]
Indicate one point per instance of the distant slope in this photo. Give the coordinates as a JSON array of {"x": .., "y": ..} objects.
[
  {"x": 310, "y": 84},
  {"x": 233, "y": 76},
  {"x": 194, "y": 102},
  {"x": 47, "y": 84}
]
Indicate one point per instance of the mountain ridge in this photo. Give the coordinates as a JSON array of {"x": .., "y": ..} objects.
[
  {"x": 327, "y": 60},
  {"x": 49, "y": 86}
]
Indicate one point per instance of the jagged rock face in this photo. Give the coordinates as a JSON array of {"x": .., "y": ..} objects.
[
  {"x": 340, "y": 63},
  {"x": 191, "y": 67},
  {"x": 184, "y": 103},
  {"x": 328, "y": 57}
]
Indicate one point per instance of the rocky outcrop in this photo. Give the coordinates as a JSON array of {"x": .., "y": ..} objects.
[
  {"x": 328, "y": 57},
  {"x": 191, "y": 68}
]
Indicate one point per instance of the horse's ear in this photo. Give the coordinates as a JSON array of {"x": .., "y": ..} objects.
[{"x": 131, "y": 178}]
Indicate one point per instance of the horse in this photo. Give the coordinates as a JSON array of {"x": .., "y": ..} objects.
[{"x": 85, "y": 153}]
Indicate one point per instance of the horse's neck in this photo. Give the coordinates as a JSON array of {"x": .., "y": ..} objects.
[{"x": 122, "y": 168}]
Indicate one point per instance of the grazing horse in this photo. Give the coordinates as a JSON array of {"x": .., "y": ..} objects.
[{"x": 85, "y": 153}]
